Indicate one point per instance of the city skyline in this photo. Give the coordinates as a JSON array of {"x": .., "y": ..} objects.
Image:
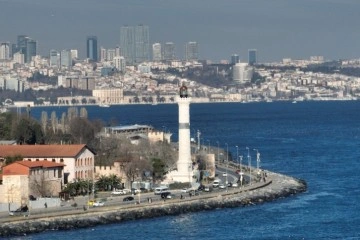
[{"x": 277, "y": 29}]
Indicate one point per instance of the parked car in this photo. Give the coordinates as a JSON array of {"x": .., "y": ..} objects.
[
  {"x": 224, "y": 174},
  {"x": 135, "y": 191},
  {"x": 234, "y": 184},
  {"x": 24, "y": 210},
  {"x": 185, "y": 190},
  {"x": 206, "y": 189},
  {"x": 222, "y": 186},
  {"x": 127, "y": 199},
  {"x": 98, "y": 204},
  {"x": 126, "y": 191},
  {"x": 117, "y": 192}
]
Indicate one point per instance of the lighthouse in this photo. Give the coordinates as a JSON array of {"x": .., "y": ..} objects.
[{"x": 184, "y": 163}]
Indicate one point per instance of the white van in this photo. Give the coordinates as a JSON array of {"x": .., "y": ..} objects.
[
  {"x": 160, "y": 190},
  {"x": 216, "y": 183}
]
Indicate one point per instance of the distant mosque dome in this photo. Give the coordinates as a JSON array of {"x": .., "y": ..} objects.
[{"x": 183, "y": 91}]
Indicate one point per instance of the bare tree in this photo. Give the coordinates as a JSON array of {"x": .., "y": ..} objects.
[
  {"x": 44, "y": 121},
  {"x": 54, "y": 121}
]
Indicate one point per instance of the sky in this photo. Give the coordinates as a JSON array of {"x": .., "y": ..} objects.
[{"x": 278, "y": 29}]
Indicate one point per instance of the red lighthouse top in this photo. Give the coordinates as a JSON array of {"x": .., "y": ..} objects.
[{"x": 183, "y": 91}]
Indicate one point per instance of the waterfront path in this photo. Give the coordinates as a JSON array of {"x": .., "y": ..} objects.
[{"x": 275, "y": 186}]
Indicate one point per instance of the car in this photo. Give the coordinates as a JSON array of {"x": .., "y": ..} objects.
[
  {"x": 21, "y": 211},
  {"x": 128, "y": 199},
  {"x": 222, "y": 186},
  {"x": 224, "y": 174},
  {"x": 117, "y": 192},
  {"x": 135, "y": 191},
  {"x": 98, "y": 204},
  {"x": 234, "y": 184},
  {"x": 91, "y": 203},
  {"x": 165, "y": 195},
  {"x": 126, "y": 191},
  {"x": 185, "y": 190},
  {"x": 206, "y": 189}
]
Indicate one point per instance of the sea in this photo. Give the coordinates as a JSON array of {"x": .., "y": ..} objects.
[{"x": 314, "y": 141}]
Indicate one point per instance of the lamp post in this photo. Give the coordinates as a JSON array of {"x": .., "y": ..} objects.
[
  {"x": 237, "y": 154},
  {"x": 139, "y": 185},
  {"x": 257, "y": 161},
  {"x": 249, "y": 162},
  {"x": 227, "y": 162},
  {"x": 218, "y": 150},
  {"x": 208, "y": 146}
]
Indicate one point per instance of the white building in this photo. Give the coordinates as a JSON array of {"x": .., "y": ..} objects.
[
  {"x": 4, "y": 51},
  {"x": 156, "y": 52},
  {"x": 242, "y": 73}
]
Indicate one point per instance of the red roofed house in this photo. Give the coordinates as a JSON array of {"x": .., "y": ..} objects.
[
  {"x": 77, "y": 158},
  {"x": 24, "y": 178}
]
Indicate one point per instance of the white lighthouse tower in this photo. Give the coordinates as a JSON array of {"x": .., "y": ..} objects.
[{"x": 184, "y": 164}]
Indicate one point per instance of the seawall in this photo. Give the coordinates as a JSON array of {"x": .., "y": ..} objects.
[{"x": 277, "y": 186}]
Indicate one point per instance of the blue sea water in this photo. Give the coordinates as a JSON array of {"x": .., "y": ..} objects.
[{"x": 315, "y": 141}]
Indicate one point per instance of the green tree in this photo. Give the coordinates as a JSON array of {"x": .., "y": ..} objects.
[{"x": 28, "y": 131}]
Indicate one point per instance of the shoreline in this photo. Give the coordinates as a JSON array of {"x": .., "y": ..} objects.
[{"x": 277, "y": 186}]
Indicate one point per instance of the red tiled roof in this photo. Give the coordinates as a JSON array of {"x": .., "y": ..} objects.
[
  {"x": 42, "y": 151},
  {"x": 44, "y": 164}
]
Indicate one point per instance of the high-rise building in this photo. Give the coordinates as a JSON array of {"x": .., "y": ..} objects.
[
  {"x": 110, "y": 54},
  {"x": 103, "y": 54},
  {"x": 117, "y": 51},
  {"x": 242, "y": 73},
  {"x": 31, "y": 49},
  {"x": 156, "y": 52},
  {"x": 120, "y": 64},
  {"x": 235, "y": 59},
  {"x": 191, "y": 51},
  {"x": 65, "y": 59},
  {"x": 169, "y": 51},
  {"x": 135, "y": 43},
  {"x": 74, "y": 54},
  {"x": 5, "y": 50},
  {"x": 92, "y": 48},
  {"x": 21, "y": 44},
  {"x": 252, "y": 56},
  {"x": 54, "y": 58},
  {"x": 142, "y": 43},
  {"x": 19, "y": 58},
  {"x": 127, "y": 43},
  {"x": 26, "y": 46}
]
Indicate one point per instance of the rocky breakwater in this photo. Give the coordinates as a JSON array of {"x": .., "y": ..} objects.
[{"x": 276, "y": 186}]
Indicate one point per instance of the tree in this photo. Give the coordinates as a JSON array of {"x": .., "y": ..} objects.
[
  {"x": 82, "y": 130},
  {"x": 28, "y": 131}
]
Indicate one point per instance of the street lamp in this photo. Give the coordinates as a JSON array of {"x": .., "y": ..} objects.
[
  {"x": 218, "y": 150},
  {"x": 139, "y": 185},
  {"x": 249, "y": 162},
  {"x": 227, "y": 162},
  {"x": 257, "y": 161},
  {"x": 237, "y": 154}
]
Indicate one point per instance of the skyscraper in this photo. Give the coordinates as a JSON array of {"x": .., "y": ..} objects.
[
  {"x": 169, "y": 51},
  {"x": 5, "y": 50},
  {"x": 252, "y": 56},
  {"x": 92, "y": 48},
  {"x": 156, "y": 52},
  {"x": 242, "y": 73},
  {"x": 142, "y": 44},
  {"x": 54, "y": 58},
  {"x": 191, "y": 51},
  {"x": 235, "y": 59},
  {"x": 135, "y": 43},
  {"x": 30, "y": 50},
  {"x": 65, "y": 59},
  {"x": 127, "y": 43}
]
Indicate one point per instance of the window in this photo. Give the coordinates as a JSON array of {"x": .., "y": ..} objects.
[
  {"x": 54, "y": 172},
  {"x": 53, "y": 160},
  {"x": 59, "y": 173},
  {"x": 37, "y": 159},
  {"x": 61, "y": 160}
]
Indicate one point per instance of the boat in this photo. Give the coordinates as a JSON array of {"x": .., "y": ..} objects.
[
  {"x": 104, "y": 105},
  {"x": 294, "y": 101}
]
